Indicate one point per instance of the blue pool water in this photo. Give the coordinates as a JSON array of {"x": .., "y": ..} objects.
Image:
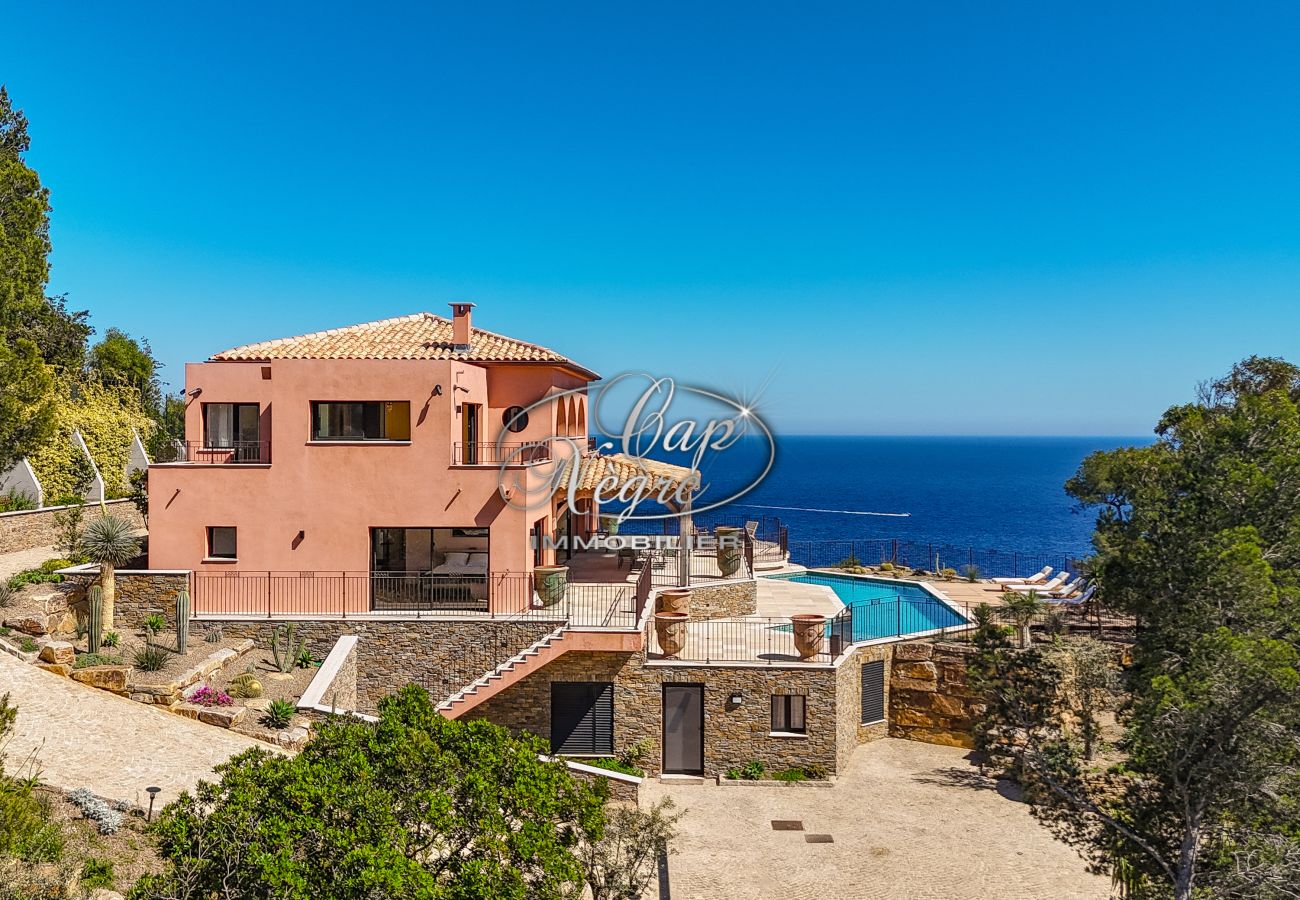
[{"x": 879, "y": 609}]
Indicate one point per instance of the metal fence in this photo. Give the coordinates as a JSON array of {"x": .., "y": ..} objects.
[
  {"x": 200, "y": 453},
  {"x": 929, "y": 556}
]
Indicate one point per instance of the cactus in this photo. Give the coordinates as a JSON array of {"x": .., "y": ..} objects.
[
  {"x": 94, "y": 618},
  {"x": 182, "y": 620},
  {"x": 245, "y": 686},
  {"x": 283, "y": 650},
  {"x": 213, "y": 635}
]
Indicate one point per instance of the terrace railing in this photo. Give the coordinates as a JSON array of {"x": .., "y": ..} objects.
[
  {"x": 494, "y": 454},
  {"x": 498, "y": 595},
  {"x": 930, "y": 556},
  {"x": 199, "y": 453}
]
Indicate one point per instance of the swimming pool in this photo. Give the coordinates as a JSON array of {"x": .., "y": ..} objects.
[{"x": 876, "y": 609}]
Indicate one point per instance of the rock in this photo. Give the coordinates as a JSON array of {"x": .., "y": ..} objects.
[
  {"x": 59, "y": 652},
  {"x": 106, "y": 678},
  {"x": 188, "y": 710},
  {"x": 29, "y": 624},
  {"x": 909, "y": 652},
  {"x": 261, "y": 704},
  {"x": 222, "y": 716},
  {"x": 924, "y": 671},
  {"x": 104, "y": 894},
  {"x": 56, "y": 668},
  {"x": 293, "y": 739}
]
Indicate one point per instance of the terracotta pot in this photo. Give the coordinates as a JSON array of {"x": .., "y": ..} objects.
[
  {"x": 673, "y": 600},
  {"x": 670, "y": 628},
  {"x": 730, "y": 549},
  {"x": 809, "y": 634},
  {"x": 550, "y": 583}
]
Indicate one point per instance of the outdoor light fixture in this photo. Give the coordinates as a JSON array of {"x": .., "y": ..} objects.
[
  {"x": 736, "y": 699},
  {"x": 152, "y": 792},
  {"x": 196, "y": 391}
]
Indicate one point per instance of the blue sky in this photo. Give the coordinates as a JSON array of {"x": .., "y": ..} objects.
[{"x": 877, "y": 218}]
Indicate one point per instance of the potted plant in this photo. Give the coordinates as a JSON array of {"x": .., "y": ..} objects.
[
  {"x": 809, "y": 634},
  {"x": 675, "y": 600},
  {"x": 670, "y": 628},
  {"x": 609, "y": 525},
  {"x": 730, "y": 549},
  {"x": 550, "y": 583}
]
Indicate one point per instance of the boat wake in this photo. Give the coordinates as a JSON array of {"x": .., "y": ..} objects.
[{"x": 841, "y": 512}]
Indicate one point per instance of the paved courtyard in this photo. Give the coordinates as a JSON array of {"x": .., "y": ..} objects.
[{"x": 907, "y": 820}]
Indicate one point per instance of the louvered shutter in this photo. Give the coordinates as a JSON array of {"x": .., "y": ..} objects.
[
  {"x": 582, "y": 717},
  {"x": 873, "y": 691}
]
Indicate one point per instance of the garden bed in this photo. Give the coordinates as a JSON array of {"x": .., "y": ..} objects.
[{"x": 288, "y": 687}]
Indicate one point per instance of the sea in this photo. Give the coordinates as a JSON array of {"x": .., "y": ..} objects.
[{"x": 1002, "y": 494}]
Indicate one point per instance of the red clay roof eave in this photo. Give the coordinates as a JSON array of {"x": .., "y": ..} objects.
[{"x": 567, "y": 365}]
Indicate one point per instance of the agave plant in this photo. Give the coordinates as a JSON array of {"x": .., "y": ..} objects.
[{"x": 110, "y": 542}]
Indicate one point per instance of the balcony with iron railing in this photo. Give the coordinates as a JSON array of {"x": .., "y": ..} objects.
[
  {"x": 231, "y": 453},
  {"x": 493, "y": 454}
]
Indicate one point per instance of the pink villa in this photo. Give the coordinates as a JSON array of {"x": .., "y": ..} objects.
[
  {"x": 386, "y": 488},
  {"x": 373, "y": 453}
]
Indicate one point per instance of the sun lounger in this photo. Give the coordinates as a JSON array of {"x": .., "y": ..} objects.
[
  {"x": 1057, "y": 593},
  {"x": 1075, "y": 601},
  {"x": 1039, "y": 578},
  {"x": 1060, "y": 579}
]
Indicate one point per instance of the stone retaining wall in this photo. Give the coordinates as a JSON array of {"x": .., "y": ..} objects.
[
  {"x": 31, "y": 528},
  {"x": 930, "y": 699},
  {"x": 393, "y": 652},
  {"x": 724, "y": 599},
  {"x": 139, "y": 594}
]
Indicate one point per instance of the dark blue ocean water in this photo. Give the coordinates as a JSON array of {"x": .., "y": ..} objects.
[{"x": 990, "y": 493}]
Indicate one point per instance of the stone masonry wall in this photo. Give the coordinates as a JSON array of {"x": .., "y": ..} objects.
[
  {"x": 930, "y": 699},
  {"x": 848, "y": 701},
  {"x": 139, "y": 594},
  {"x": 733, "y": 734},
  {"x": 724, "y": 599},
  {"x": 28, "y": 529},
  {"x": 433, "y": 653}
]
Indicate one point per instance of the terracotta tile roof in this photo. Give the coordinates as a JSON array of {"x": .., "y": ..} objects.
[
  {"x": 418, "y": 336},
  {"x": 592, "y": 469}
]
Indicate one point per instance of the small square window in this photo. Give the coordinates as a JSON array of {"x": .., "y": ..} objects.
[
  {"x": 788, "y": 713},
  {"x": 221, "y": 542}
]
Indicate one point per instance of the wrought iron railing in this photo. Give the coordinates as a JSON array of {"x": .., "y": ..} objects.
[
  {"x": 201, "y": 453},
  {"x": 494, "y": 454}
]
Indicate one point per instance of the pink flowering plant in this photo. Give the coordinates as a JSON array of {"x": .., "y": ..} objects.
[{"x": 207, "y": 696}]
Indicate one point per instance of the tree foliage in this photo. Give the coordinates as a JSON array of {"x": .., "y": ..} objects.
[
  {"x": 1198, "y": 535},
  {"x": 106, "y": 416},
  {"x": 416, "y": 806}
]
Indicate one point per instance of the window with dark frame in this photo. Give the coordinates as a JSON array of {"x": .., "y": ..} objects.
[
  {"x": 231, "y": 425},
  {"x": 515, "y": 419},
  {"x": 222, "y": 542},
  {"x": 371, "y": 420},
  {"x": 788, "y": 713}
]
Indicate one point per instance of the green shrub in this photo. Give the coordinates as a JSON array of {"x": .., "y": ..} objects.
[
  {"x": 50, "y": 566},
  {"x": 305, "y": 660},
  {"x": 751, "y": 771},
  {"x": 5, "y": 629},
  {"x": 614, "y": 765},
  {"x": 848, "y": 562},
  {"x": 14, "y": 500},
  {"x": 947, "y": 574},
  {"x": 790, "y": 775},
  {"x": 29, "y": 646},
  {"x": 154, "y": 623},
  {"x": 33, "y": 576},
  {"x": 6, "y": 595},
  {"x": 971, "y": 573},
  {"x": 816, "y": 772},
  {"x": 279, "y": 714},
  {"x": 97, "y": 873},
  {"x": 96, "y": 659},
  {"x": 111, "y": 639},
  {"x": 151, "y": 658}
]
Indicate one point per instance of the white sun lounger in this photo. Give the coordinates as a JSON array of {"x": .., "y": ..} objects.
[
  {"x": 1046, "y": 587},
  {"x": 1039, "y": 578},
  {"x": 1075, "y": 601},
  {"x": 1057, "y": 593}
]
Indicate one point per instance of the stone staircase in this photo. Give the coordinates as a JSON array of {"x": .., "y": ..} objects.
[{"x": 522, "y": 664}]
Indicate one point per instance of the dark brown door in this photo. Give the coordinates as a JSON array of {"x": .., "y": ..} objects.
[{"x": 683, "y": 729}]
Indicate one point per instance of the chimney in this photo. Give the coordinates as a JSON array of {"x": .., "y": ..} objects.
[{"x": 460, "y": 330}]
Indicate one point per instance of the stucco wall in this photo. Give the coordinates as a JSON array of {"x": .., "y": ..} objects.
[{"x": 28, "y": 529}]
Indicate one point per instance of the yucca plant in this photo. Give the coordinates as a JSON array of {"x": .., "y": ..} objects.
[
  {"x": 110, "y": 542},
  {"x": 1022, "y": 609}
]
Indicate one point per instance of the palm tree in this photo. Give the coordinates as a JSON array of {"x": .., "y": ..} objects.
[
  {"x": 1022, "y": 608},
  {"x": 109, "y": 541}
]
